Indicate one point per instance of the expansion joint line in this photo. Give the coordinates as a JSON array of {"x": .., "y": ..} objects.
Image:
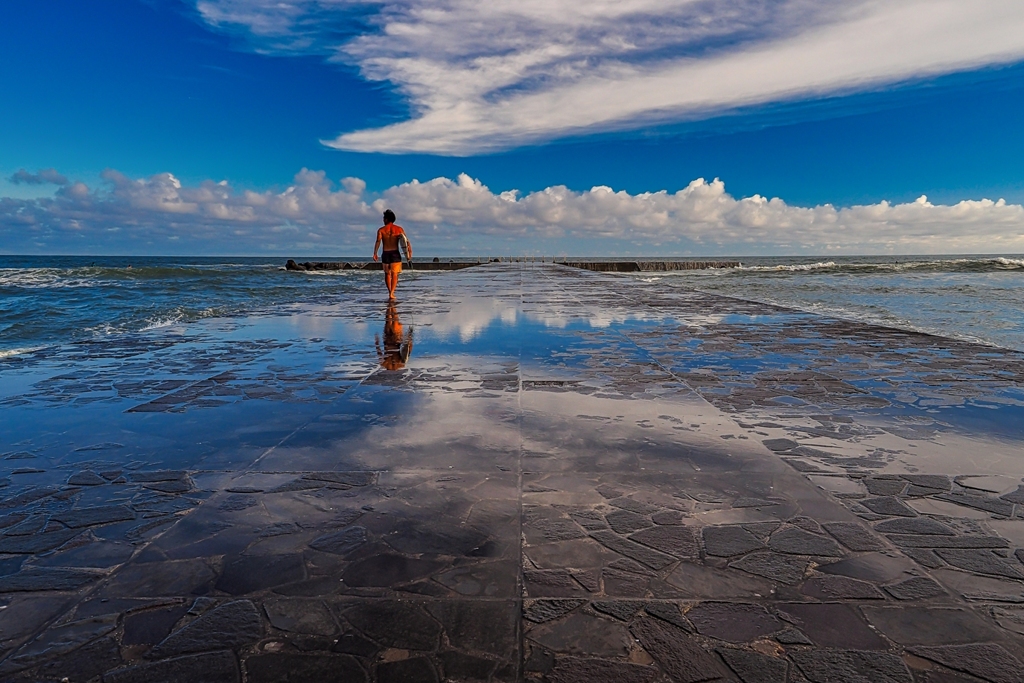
[{"x": 520, "y": 580}]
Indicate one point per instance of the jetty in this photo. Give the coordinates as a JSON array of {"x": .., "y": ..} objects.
[
  {"x": 570, "y": 476},
  {"x": 647, "y": 266},
  {"x": 373, "y": 265},
  {"x": 596, "y": 266}
]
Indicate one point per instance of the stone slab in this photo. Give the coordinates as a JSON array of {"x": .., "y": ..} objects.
[
  {"x": 681, "y": 657},
  {"x": 233, "y": 624},
  {"x": 985, "y": 660}
]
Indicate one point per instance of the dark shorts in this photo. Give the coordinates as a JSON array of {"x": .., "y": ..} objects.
[{"x": 391, "y": 256}]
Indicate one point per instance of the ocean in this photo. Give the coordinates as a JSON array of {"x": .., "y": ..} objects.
[
  {"x": 973, "y": 298},
  {"x": 53, "y": 300}
]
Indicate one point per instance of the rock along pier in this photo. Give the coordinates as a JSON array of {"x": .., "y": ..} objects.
[
  {"x": 646, "y": 266},
  {"x": 597, "y": 266}
]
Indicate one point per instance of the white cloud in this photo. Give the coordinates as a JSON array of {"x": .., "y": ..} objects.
[
  {"x": 483, "y": 76},
  {"x": 312, "y": 216}
]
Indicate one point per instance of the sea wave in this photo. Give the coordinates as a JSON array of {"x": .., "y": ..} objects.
[
  {"x": 10, "y": 353},
  {"x": 42, "y": 278},
  {"x": 92, "y": 276},
  {"x": 801, "y": 267},
  {"x": 179, "y": 316},
  {"x": 957, "y": 265},
  {"x": 336, "y": 273},
  {"x": 57, "y": 300}
]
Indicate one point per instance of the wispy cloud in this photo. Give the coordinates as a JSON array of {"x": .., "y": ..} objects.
[
  {"x": 41, "y": 177},
  {"x": 485, "y": 76},
  {"x": 314, "y": 215}
]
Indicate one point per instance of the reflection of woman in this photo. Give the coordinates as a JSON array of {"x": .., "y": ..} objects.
[{"x": 395, "y": 351}]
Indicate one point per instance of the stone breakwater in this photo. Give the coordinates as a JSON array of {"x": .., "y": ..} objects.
[
  {"x": 645, "y": 266},
  {"x": 574, "y": 477},
  {"x": 372, "y": 265},
  {"x": 596, "y": 266}
]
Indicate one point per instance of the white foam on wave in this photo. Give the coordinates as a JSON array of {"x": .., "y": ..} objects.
[
  {"x": 42, "y": 278},
  {"x": 159, "y": 323},
  {"x": 10, "y": 353},
  {"x": 340, "y": 273},
  {"x": 800, "y": 267},
  {"x": 176, "y": 317},
  {"x": 104, "y": 329},
  {"x": 999, "y": 263}
]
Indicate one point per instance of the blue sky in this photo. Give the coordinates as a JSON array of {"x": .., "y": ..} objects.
[{"x": 528, "y": 99}]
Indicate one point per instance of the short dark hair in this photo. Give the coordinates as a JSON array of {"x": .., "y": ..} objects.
[{"x": 389, "y": 216}]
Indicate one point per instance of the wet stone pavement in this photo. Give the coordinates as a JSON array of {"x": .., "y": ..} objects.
[{"x": 522, "y": 472}]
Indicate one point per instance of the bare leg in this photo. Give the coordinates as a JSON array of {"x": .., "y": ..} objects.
[{"x": 391, "y": 277}]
